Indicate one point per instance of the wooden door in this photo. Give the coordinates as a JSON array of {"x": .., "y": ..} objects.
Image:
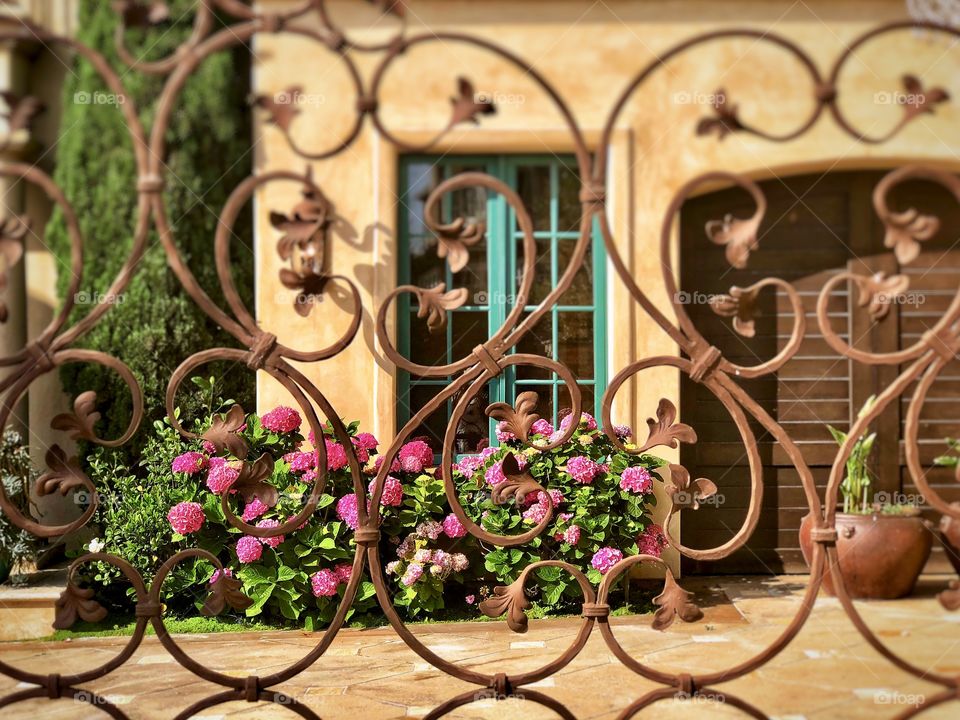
[{"x": 815, "y": 227}]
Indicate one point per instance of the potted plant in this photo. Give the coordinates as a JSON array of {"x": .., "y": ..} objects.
[
  {"x": 881, "y": 547},
  {"x": 18, "y": 548}
]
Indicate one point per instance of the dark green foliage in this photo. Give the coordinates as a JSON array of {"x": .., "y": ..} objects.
[{"x": 154, "y": 325}]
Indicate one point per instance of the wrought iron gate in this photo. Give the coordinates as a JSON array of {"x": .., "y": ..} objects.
[{"x": 702, "y": 362}]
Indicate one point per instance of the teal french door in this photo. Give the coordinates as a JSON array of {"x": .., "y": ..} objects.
[{"x": 574, "y": 332}]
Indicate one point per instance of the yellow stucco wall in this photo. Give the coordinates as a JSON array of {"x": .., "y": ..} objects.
[{"x": 589, "y": 51}]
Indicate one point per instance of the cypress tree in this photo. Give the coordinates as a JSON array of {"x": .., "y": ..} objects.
[{"x": 155, "y": 325}]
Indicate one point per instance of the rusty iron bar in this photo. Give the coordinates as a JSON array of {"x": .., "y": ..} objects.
[{"x": 307, "y": 225}]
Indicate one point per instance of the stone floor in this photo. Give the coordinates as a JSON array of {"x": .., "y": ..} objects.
[{"x": 828, "y": 671}]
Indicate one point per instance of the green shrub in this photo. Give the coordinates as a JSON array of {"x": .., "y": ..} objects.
[
  {"x": 153, "y": 325},
  {"x": 17, "y": 547},
  {"x": 434, "y": 567}
]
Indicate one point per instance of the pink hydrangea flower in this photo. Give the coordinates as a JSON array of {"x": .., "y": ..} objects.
[
  {"x": 336, "y": 455},
  {"x": 605, "y": 558},
  {"x": 249, "y": 549},
  {"x": 430, "y": 529},
  {"x": 189, "y": 463},
  {"x": 415, "y": 456},
  {"x": 301, "y": 461},
  {"x": 273, "y": 542},
  {"x": 208, "y": 447},
  {"x": 636, "y": 480},
  {"x": 452, "y": 527},
  {"x": 582, "y": 469},
  {"x": 468, "y": 465},
  {"x": 216, "y": 575},
  {"x": 254, "y": 509},
  {"x": 392, "y": 495},
  {"x": 347, "y": 510},
  {"x": 324, "y": 583},
  {"x": 535, "y": 513},
  {"x": 221, "y": 475},
  {"x": 586, "y": 419},
  {"x": 281, "y": 419},
  {"x": 471, "y": 599},
  {"x": 494, "y": 475},
  {"x": 542, "y": 427},
  {"x": 622, "y": 431},
  {"x": 186, "y": 517},
  {"x": 504, "y": 436},
  {"x": 652, "y": 541},
  {"x": 394, "y": 466},
  {"x": 460, "y": 562},
  {"x": 366, "y": 441},
  {"x": 571, "y": 536},
  {"x": 343, "y": 571},
  {"x": 414, "y": 572}
]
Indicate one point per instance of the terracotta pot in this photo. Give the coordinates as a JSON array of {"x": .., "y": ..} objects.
[{"x": 881, "y": 556}]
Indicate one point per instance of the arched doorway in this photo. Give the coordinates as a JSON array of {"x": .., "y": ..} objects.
[{"x": 815, "y": 226}]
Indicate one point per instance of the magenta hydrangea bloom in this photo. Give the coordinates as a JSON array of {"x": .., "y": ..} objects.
[
  {"x": 582, "y": 469},
  {"x": 415, "y": 456},
  {"x": 189, "y": 463},
  {"x": 186, "y": 517},
  {"x": 470, "y": 599},
  {"x": 254, "y": 509},
  {"x": 571, "y": 536},
  {"x": 301, "y": 461},
  {"x": 249, "y": 549},
  {"x": 468, "y": 465},
  {"x": 494, "y": 475},
  {"x": 366, "y": 441},
  {"x": 586, "y": 419},
  {"x": 542, "y": 427},
  {"x": 208, "y": 447},
  {"x": 343, "y": 571},
  {"x": 336, "y": 455},
  {"x": 273, "y": 542},
  {"x": 392, "y": 495},
  {"x": 605, "y": 558},
  {"x": 216, "y": 575},
  {"x": 636, "y": 480},
  {"x": 324, "y": 583},
  {"x": 347, "y": 510},
  {"x": 504, "y": 436},
  {"x": 535, "y": 513},
  {"x": 394, "y": 466},
  {"x": 452, "y": 527},
  {"x": 281, "y": 419},
  {"x": 652, "y": 541},
  {"x": 221, "y": 475}
]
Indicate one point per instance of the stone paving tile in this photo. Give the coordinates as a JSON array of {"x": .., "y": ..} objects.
[{"x": 828, "y": 671}]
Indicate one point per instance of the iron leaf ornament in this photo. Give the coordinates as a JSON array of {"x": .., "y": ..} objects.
[
  {"x": 906, "y": 230},
  {"x": 468, "y": 105},
  {"x": 665, "y": 430},
  {"x": 251, "y": 482},
  {"x": 225, "y": 591},
  {"x": 878, "y": 292},
  {"x": 725, "y": 120},
  {"x": 509, "y": 600},
  {"x": 79, "y": 424},
  {"x": 686, "y": 493},
  {"x": 281, "y": 107},
  {"x": 455, "y": 239},
  {"x": 519, "y": 483},
  {"x": 740, "y": 304},
  {"x": 919, "y": 100},
  {"x": 435, "y": 302},
  {"x": 224, "y": 433},
  {"x": 518, "y": 418},
  {"x": 674, "y": 602},
  {"x": 77, "y": 603},
  {"x": 737, "y": 237},
  {"x": 64, "y": 475}
]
